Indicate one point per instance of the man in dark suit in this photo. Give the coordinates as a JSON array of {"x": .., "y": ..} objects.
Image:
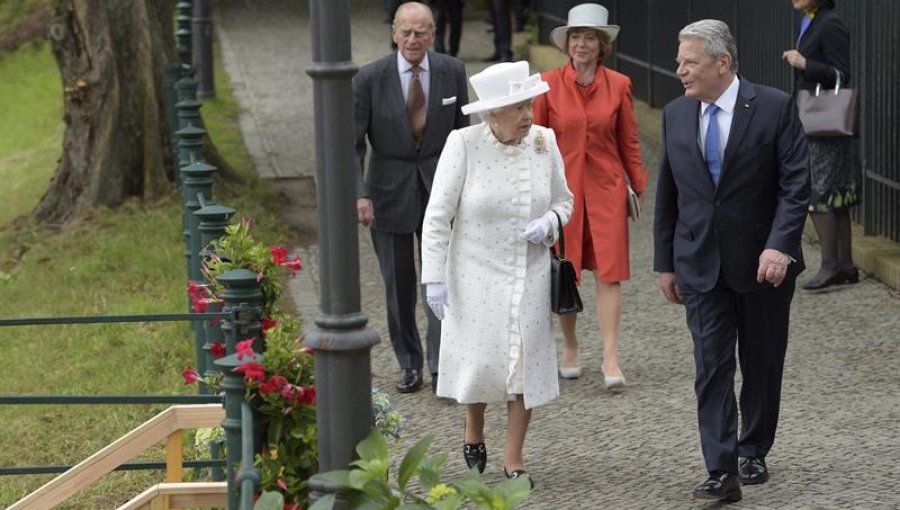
[
  {"x": 406, "y": 104},
  {"x": 448, "y": 11},
  {"x": 731, "y": 202}
]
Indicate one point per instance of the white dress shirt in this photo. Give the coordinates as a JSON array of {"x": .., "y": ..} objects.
[
  {"x": 726, "y": 103},
  {"x": 405, "y": 70}
]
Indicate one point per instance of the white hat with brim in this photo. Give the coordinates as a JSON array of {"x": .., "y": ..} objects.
[
  {"x": 584, "y": 16},
  {"x": 504, "y": 84}
]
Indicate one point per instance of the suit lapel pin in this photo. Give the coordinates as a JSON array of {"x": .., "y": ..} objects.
[{"x": 746, "y": 106}]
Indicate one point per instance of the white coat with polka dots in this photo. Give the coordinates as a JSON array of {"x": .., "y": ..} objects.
[{"x": 484, "y": 194}]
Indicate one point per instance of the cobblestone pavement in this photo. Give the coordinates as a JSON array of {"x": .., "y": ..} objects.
[{"x": 838, "y": 443}]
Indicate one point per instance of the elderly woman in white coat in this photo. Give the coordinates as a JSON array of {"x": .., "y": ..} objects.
[{"x": 498, "y": 198}]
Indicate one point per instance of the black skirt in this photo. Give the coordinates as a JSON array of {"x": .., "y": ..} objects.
[{"x": 836, "y": 173}]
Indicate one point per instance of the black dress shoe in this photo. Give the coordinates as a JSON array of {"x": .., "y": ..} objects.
[
  {"x": 850, "y": 275},
  {"x": 753, "y": 470},
  {"x": 434, "y": 377},
  {"x": 721, "y": 486},
  {"x": 411, "y": 381},
  {"x": 519, "y": 473},
  {"x": 821, "y": 283},
  {"x": 475, "y": 455}
]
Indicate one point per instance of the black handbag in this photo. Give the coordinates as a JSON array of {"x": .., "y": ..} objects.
[{"x": 564, "y": 297}]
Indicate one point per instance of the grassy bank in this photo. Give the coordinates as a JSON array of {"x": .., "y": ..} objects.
[{"x": 124, "y": 261}]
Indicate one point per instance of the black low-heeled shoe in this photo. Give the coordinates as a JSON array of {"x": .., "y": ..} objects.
[
  {"x": 850, "y": 275},
  {"x": 519, "y": 473},
  {"x": 475, "y": 455}
]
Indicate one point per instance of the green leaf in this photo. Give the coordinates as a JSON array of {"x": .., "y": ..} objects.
[
  {"x": 415, "y": 506},
  {"x": 449, "y": 503},
  {"x": 373, "y": 447},
  {"x": 473, "y": 488},
  {"x": 270, "y": 500},
  {"x": 514, "y": 490},
  {"x": 412, "y": 459},
  {"x": 326, "y": 503},
  {"x": 430, "y": 471},
  {"x": 338, "y": 476}
]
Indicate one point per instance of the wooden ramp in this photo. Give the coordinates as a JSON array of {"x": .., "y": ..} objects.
[{"x": 167, "y": 425}]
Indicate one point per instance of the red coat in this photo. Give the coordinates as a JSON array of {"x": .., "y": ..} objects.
[{"x": 597, "y": 133}]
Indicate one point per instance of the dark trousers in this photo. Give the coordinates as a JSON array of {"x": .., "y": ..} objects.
[
  {"x": 396, "y": 259},
  {"x": 447, "y": 11},
  {"x": 502, "y": 29},
  {"x": 758, "y": 323}
]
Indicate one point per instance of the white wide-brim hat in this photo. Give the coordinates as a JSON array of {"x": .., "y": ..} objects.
[
  {"x": 504, "y": 84},
  {"x": 584, "y": 16}
]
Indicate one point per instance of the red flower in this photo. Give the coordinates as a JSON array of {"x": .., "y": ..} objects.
[
  {"x": 217, "y": 350},
  {"x": 245, "y": 348},
  {"x": 279, "y": 254},
  {"x": 294, "y": 264},
  {"x": 190, "y": 375},
  {"x": 288, "y": 392},
  {"x": 268, "y": 324},
  {"x": 308, "y": 396},
  {"x": 252, "y": 370},
  {"x": 273, "y": 385},
  {"x": 200, "y": 305},
  {"x": 283, "y": 486}
]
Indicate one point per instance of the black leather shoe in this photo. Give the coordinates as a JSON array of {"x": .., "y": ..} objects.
[
  {"x": 434, "y": 383},
  {"x": 821, "y": 283},
  {"x": 850, "y": 275},
  {"x": 411, "y": 381},
  {"x": 720, "y": 486},
  {"x": 519, "y": 473},
  {"x": 475, "y": 455},
  {"x": 753, "y": 470}
]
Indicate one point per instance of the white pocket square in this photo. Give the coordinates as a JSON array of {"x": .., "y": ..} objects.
[{"x": 448, "y": 100}]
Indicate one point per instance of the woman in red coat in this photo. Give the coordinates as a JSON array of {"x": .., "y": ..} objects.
[{"x": 590, "y": 109}]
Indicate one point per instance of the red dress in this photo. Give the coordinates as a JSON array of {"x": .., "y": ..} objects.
[{"x": 597, "y": 133}]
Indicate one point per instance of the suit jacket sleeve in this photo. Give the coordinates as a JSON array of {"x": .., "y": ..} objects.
[
  {"x": 362, "y": 98},
  {"x": 462, "y": 96},
  {"x": 835, "y": 50},
  {"x": 666, "y": 213},
  {"x": 793, "y": 181}
]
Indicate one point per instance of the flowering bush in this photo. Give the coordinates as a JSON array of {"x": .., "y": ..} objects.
[{"x": 280, "y": 383}]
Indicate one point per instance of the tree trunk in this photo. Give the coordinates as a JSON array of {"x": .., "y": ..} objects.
[{"x": 111, "y": 55}]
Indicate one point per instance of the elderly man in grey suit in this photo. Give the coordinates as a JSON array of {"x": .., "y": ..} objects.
[{"x": 406, "y": 105}]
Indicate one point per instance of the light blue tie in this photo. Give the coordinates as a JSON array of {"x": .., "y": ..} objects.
[{"x": 711, "y": 147}]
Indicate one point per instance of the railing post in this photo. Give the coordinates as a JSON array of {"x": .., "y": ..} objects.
[
  {"x": 235, "y": 389},
  {"x": 341, "y": 339},
  {"x": 212, "y": 222},
  {"x": 197, "y": 180},
  {"x": 171, "y": 72},
  {"x": 187, "y": 106},
  {"x": 183, "y": 34},
  {"x": 203, "y": 49},
  {"x": 248, "y": 479},
  {"x": 241, "y": 295},
  {"x": 190, "y": 149}
]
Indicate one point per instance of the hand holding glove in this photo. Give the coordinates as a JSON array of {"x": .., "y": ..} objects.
[
  {"x": 436, "y": 295},
  {"x": 538, "y": 230}
]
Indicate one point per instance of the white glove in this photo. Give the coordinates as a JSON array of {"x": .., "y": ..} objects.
[
  {"x": 537, "y": 230},
  {"x": 436, "y": 295}
]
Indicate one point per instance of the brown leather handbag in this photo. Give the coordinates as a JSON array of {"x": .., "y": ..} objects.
[{"x": 832, "y": 113}]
